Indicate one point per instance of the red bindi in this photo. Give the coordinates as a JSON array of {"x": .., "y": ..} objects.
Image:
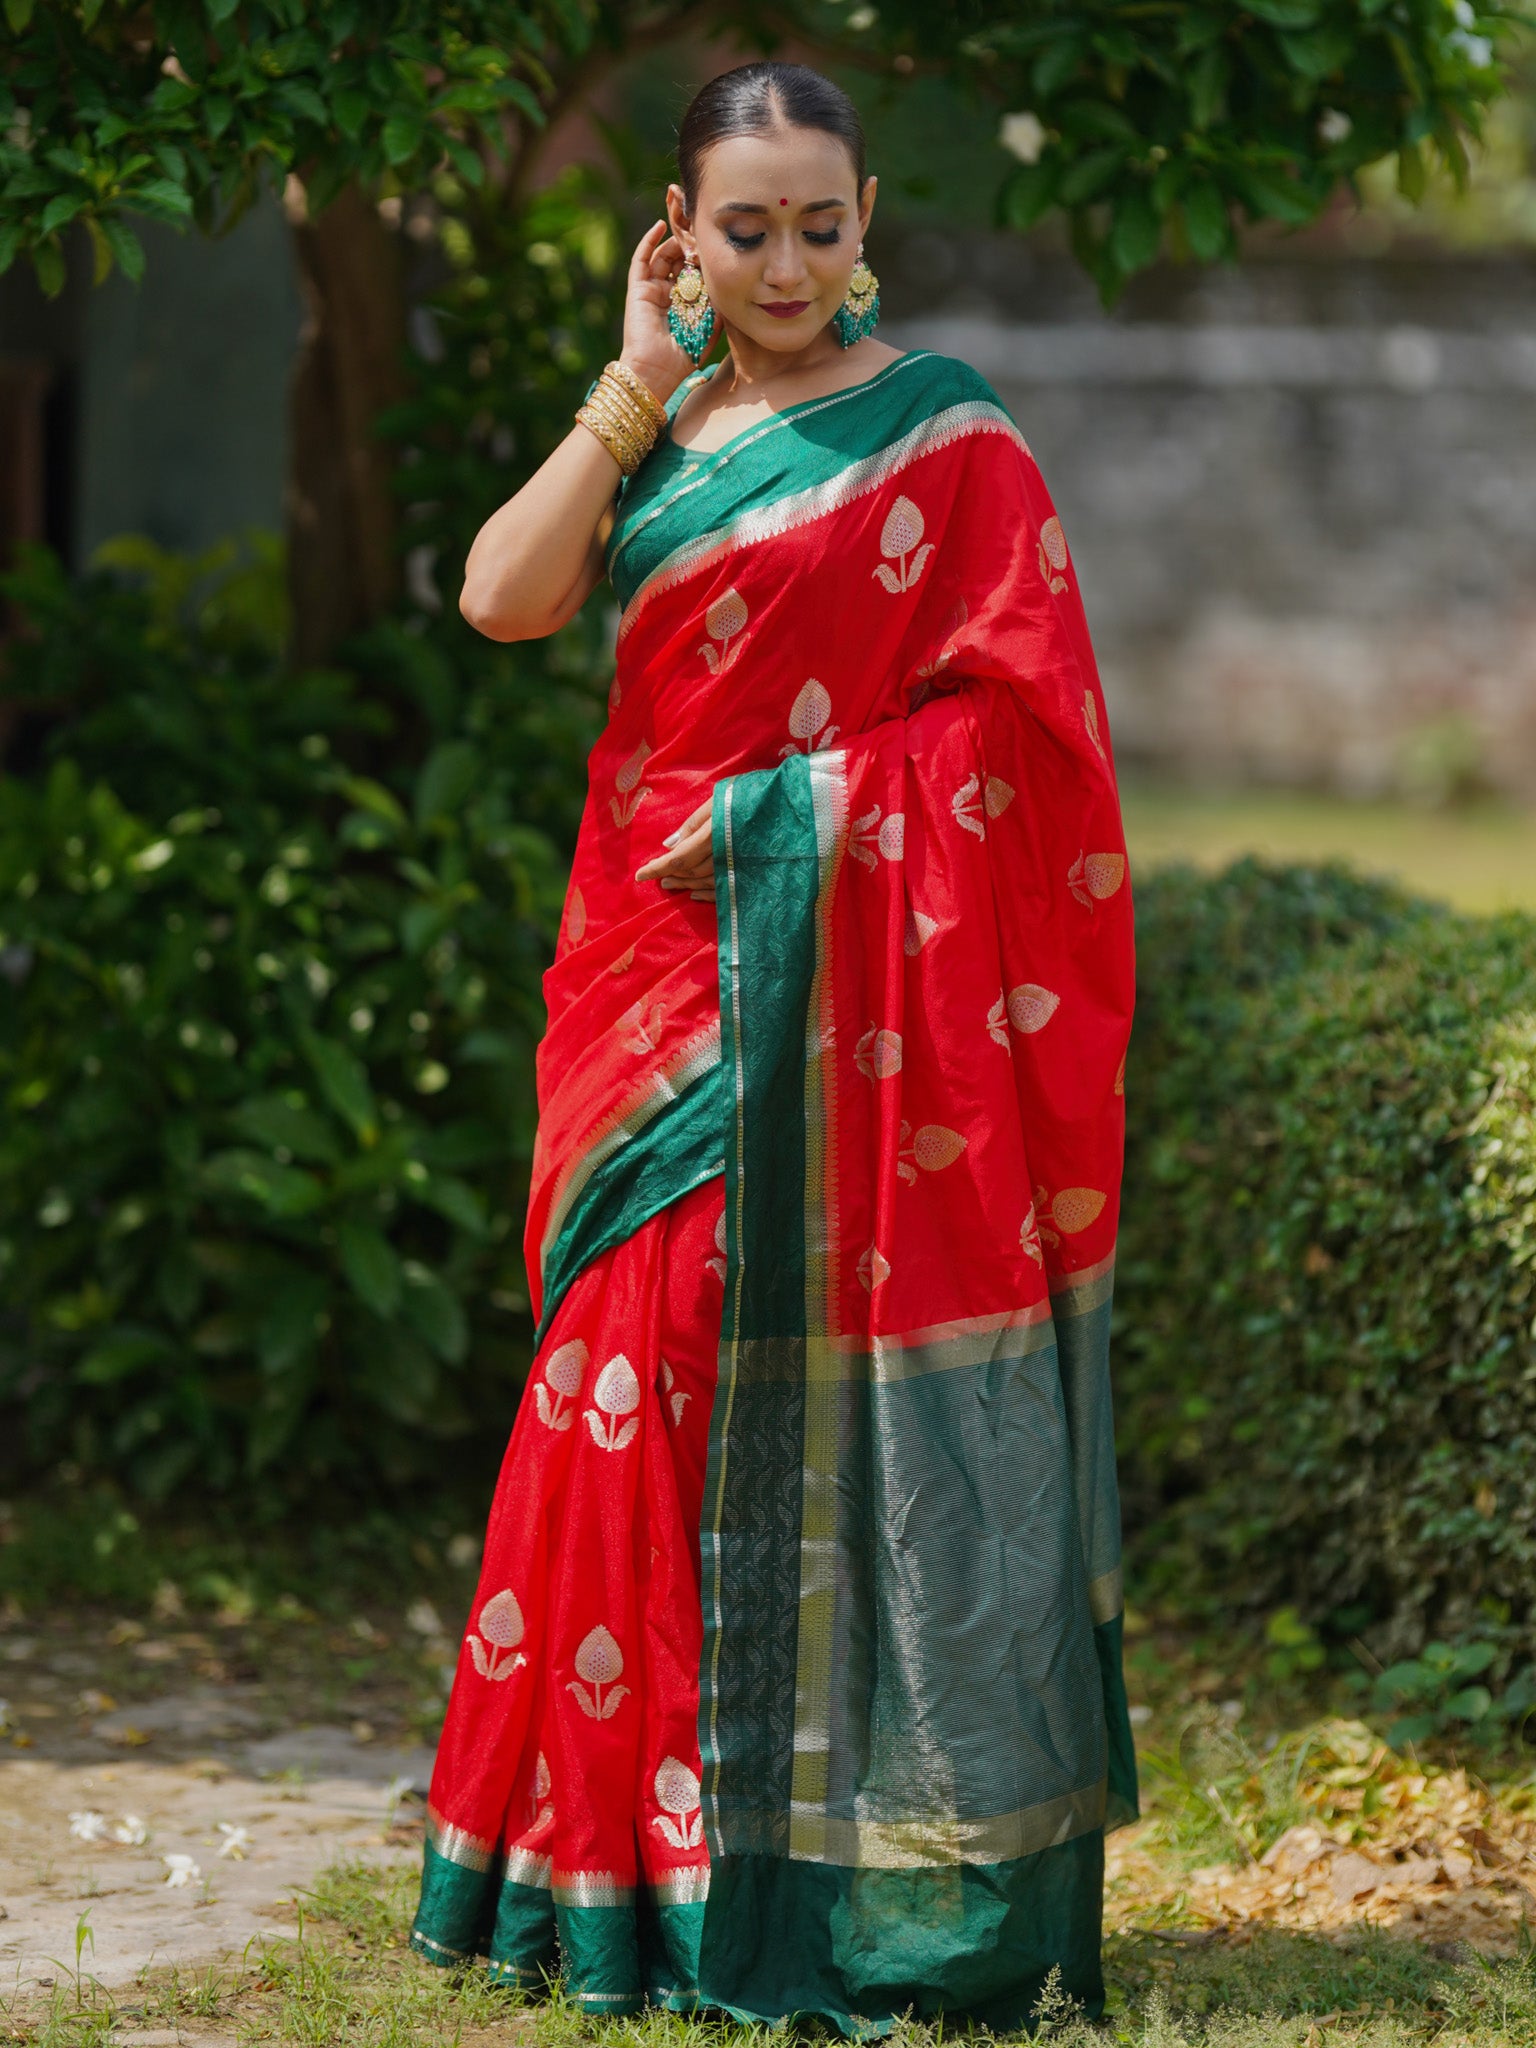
[{"x": 783, "y": 202}]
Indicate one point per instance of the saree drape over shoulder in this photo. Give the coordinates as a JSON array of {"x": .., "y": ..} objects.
[{"x": 793, "y": 1683}]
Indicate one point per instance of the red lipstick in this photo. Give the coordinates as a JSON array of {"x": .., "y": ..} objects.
[{"x": 785, "y": 309}]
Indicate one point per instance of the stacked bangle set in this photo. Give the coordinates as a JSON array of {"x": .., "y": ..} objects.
[{"x": 625, "y": 414}]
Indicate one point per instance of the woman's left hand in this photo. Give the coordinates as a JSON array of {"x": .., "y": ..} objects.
[{"x": 689, "y": 862}]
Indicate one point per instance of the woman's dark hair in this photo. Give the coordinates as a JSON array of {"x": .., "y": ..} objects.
[{"x": 753, "y": 100}]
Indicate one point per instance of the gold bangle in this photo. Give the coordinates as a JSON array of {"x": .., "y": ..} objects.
[
  {"x": 650, "y": 404},
  {"x": 624, "y": 414},
  {"x": 616, "y": 435}
]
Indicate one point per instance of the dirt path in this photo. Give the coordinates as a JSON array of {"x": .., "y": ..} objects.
[{"x": 256, "y": 1821}]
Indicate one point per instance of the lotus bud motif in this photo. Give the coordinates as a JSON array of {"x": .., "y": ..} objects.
[
  {"x": 599, "y": 1660},
  {"x": 501, "y": 1620}
]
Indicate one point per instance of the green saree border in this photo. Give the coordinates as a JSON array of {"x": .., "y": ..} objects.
[
  {"x": 612, "y": 1948},
  {"x": 622, "y": 1125},
  {"x": 678, "y": 1149},
  {"x": 673, "y": 476},
  {"x": 846, "y": 481}
]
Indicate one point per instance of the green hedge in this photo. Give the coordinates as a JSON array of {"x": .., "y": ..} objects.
[
  {"x": 271, "y": 948},
  {"x": 1326, "y": 1367}
]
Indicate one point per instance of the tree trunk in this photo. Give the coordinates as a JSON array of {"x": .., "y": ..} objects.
[{"x": 343, "y": 563}]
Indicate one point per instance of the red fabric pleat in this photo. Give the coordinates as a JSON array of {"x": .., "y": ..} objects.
[{"x": 581, "y": 1763}]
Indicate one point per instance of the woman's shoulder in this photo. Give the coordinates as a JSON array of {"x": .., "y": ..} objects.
[{"x": 948, "y": 381}]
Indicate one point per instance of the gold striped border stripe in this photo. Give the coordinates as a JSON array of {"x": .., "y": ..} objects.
[
  {"x": 823, "y": 1375},
  {"x": 590, "y": 1888},
  {"x": 930, "y": 1842},
  {"x": 458, "y": 1845},
  {"x": 690, "y": 1063},
  {"x": 954, "y": 423},
  {"x": 1106, "y": 1595}
]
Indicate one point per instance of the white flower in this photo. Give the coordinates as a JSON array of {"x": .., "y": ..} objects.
[
  {"x": 395, "y": 1792},
  {"x": 236, "y": 1841},
  {"x": 1465, "y": 13},
  {"x": 1477, "y": 50},
  {"x": 88, "y": 1827},
  {"x": 1334, "y": 125},
  {"x": 1023, "y": 136},
  {"x": 131, "y": 1832},
  {"x": 181, "y": 1871},
  {"x": 422, "y": 1618}
]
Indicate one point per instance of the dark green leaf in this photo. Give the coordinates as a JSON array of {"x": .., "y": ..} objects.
[
  {"x": 1206, "y": 223},
  {"x": 371, "y": 1265},
  {"x": 403, "y": 136},
  {"x": 1135, "y": 232},
  {"x": 447, "y": 777},
  {"x": 344, "y": 1083},
  {"x": 435, "y": 1313},
  {"x": 1087, "y": 176},
  {"x": 126, "y": 247},
  {"x": 48, "y": 262}
]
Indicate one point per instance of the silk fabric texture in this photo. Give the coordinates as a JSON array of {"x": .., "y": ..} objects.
[{"x": 793, "y": 1680}]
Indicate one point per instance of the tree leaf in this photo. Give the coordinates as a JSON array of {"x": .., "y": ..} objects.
[
  {"x": 101, "y": 249},
  {"x": 344, "y": 1083},
  {"x": 18, "y": 13},
  {"x": 126, "y": 247},
  {"x": 1088, "y": 176},
  {"x": 1206, "y": 223},
  {"x": 396, "y": 1372},
  {"x": 274, "y": 1121},
  {"x": 1136, "y": 231},
  {"x": 281, "y": 1190},
  {"x": 60, "y": 211},
  {"x": 48, "y": 262},
  {"x": 371, "y": 1264},
  {"x": 446, "y": 779},
  {"x": 126, "y": 1351},
  {"x": 403, "y": 136},
  {"x": 292, "y": 1326},
  {"x": 435, "y": 1313}
]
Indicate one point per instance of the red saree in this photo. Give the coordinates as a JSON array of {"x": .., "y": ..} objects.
[{"x": 793, "y": 1681}]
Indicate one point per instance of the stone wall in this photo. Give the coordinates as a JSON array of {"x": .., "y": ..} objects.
[{"x": 1302, "y": 498}]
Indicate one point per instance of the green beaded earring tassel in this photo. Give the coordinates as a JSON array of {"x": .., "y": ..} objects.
[
  {"x": 860, "y": 310},
  {"x": 690, "y": 316}
]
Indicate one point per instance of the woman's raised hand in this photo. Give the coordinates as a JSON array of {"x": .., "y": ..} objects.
[
  {"x": 648, "y": 348},
  {"x": 689, "y": 863}
]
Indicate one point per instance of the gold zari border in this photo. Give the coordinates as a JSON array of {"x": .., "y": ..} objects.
[
  {"x": 590, "y": 1888},
  {"x": 940, "y": 1840}
]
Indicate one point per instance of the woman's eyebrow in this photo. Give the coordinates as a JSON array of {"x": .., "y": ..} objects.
[{"x": 751, "y": 206}]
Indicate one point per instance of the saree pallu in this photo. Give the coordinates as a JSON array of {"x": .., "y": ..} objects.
[{"x": 793, "y": 1682}]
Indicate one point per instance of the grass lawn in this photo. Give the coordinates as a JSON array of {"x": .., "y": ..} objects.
[
  {"x": 1294, "y": 1883},
  {"x": 1480, "y": 858}
]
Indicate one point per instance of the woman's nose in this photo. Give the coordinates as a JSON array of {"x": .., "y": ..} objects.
[{"x": 784, "y": 266}]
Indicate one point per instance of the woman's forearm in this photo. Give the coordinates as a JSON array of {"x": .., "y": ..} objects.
[{"x": 536, "y": 560}]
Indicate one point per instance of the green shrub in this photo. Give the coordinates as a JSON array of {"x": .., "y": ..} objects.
[
  {"x": 271, "y": 948},
  {"x": 1326, "y": 1366}
]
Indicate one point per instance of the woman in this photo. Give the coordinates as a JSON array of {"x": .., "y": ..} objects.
[{"x": 793, "y": 1678}]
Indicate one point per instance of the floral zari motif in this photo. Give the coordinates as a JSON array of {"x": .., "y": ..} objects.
[
  {"x": 810, "y": 720},
  {"x": 1028, "y": 1008},
  {"x": 500, "y": 1626},
  {"x": 723, "y": 622},
  {"x": 631, "y": 790},
  {"x": 980, "y": 793},
  {"x": 680, "y": 1822},
  {"x": 600, "y": 1662},
  {"x": 564, "y": 1371},
  {"x": 899, "y": 543},
  {"x": 615, "y": 1395}
]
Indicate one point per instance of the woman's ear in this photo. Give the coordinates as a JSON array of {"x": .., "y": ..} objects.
[
  {"x": 677, "y": 215},
  {"x": 867, "y": 203}
]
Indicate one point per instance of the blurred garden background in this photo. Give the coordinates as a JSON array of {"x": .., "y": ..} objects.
[{"x": 293, "y": 295}]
